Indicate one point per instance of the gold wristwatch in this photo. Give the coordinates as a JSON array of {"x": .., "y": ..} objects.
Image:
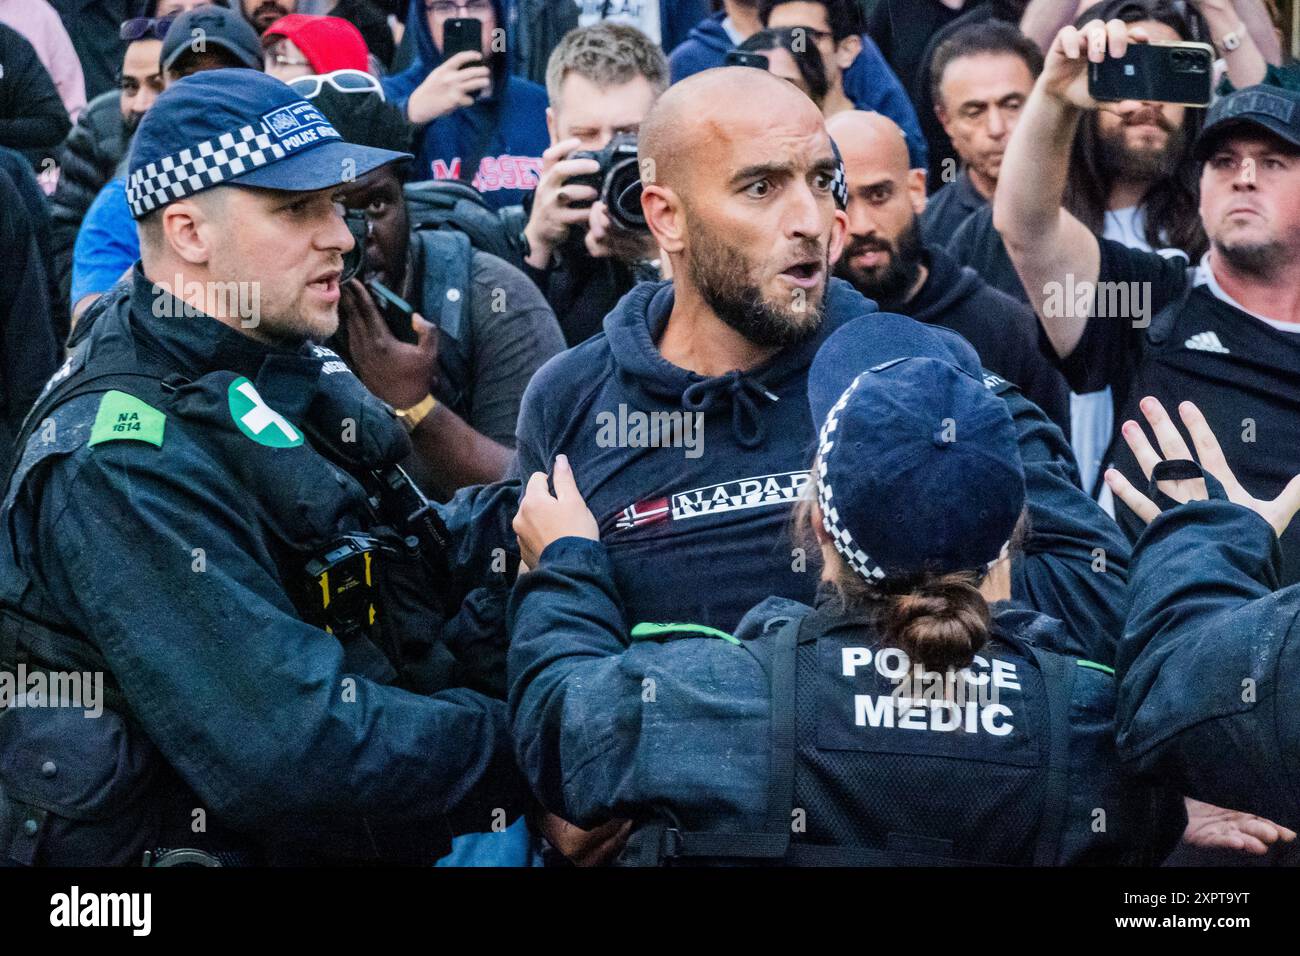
[{"x": 411, "y": 417}]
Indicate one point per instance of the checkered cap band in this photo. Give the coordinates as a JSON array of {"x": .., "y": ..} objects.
[
  {"x": 839, "y": 184},
  {"x": 199, "y": 167},
  {"x": 858, "y": 559}
]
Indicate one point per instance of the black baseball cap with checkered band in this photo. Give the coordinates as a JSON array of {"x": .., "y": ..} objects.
[
  {"x": 241, "y": 128},
  {"x": 918, "y": 465}
]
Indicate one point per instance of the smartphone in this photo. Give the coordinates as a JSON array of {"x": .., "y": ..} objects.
[
  {"x": 745, "y": 58},
  {"x": 395, "y": 310},
  {"x": 460, "y": 34},
  {"x": 1180, "y": 73}
]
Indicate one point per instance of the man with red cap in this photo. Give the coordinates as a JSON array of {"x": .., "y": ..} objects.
[{"x": 300, "y": 45}]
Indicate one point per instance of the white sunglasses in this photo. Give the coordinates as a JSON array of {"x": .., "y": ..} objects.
[{"x": 345, "y": 81}]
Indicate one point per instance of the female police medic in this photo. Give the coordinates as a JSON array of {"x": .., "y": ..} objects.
[
  {"x": 1210, "y": 658},
  {"x": 900, "y": 721}
]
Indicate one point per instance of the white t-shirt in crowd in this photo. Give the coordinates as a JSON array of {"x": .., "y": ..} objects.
[
  {"x": 1092, "y": 416},
  {"x": 734, "y": 35},
  {"x": 642, "y": 14}
]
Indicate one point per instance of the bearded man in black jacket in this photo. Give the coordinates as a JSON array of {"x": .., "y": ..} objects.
[{"x": 886, "y": 259}]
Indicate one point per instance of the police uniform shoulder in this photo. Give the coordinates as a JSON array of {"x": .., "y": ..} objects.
[
  {"x": 85, "y": 422},
  {"x": 121, "y": 417},
  {"x": 768, "y": 616},
  {"x": 1044, "y": 632},
  {"x": 1024, "y": 623},
  {"x": 60, "y": 433},
  {"x": 62, "y": 439}
]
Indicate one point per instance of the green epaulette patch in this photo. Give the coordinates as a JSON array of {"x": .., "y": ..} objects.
[
  {"x": 648, "y": 630},
  {"x": 123, "y": 417}
]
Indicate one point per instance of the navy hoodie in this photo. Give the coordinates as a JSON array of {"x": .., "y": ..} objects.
[
  {"x": 868, "y": 82},
  {"x": 705, "y": 47},
  {"x": 507, "y": 129},
  {"x": 1004, "y": 330},
  {"x": 702, "y": 534}
]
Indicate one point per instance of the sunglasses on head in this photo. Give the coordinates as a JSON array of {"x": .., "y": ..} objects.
[
  {"x": 145, "y": 28},
  {"x": 345, "y": 81}
]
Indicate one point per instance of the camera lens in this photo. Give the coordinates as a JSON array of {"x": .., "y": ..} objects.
[{"x": 623, "y": 194}]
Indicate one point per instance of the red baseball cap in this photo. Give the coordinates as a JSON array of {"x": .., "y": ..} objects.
[{"x": 328, "y": 43}]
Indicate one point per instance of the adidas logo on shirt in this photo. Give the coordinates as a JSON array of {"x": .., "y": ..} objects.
[{"x": 1206, "y": 342}]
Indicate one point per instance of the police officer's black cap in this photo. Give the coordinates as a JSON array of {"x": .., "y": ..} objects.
[{"x": 1270, "y": 108}]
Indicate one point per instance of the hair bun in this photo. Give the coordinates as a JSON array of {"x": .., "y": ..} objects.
[{"x": 941, "y": 622}]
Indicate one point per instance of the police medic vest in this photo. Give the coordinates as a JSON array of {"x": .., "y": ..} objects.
[{"x": 876, "y": 762}]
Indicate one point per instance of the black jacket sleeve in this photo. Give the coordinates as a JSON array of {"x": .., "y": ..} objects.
[
  {"x": 1210, "y": 662},
  {"x": 252, "y": 706},
  {"x": 1073, "y": 563},
  {"x": 606, "y": 726},
  {"x": 87, "y": 160},
  {"x": 29, "y": 351},
  {"x": 32, "y": 117}
]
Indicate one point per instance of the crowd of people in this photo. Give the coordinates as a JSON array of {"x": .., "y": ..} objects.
[{"x": 519, "y": 432}]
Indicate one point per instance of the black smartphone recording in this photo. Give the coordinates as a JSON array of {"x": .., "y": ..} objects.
[
  {"x": 461, "y": 34},
  {"x": 1155, "y": 73},
  {"x": 395, "y": 310}
]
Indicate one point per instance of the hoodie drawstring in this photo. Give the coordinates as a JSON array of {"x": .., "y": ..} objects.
[{"x": 746, "y": 423}]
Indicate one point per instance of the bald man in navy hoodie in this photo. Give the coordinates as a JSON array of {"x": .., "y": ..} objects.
[{"x": 686, "y": 421}]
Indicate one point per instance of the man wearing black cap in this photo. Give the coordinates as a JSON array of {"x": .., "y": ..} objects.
[
  {"x": 1224, "y": 333},
  {"x": 206, "y": 38},
  {"x": 237, "y": 554},
  {"x": 488, "y": 330}
]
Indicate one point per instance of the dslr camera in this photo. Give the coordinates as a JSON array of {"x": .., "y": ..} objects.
[{"x": 618, "y": 181}]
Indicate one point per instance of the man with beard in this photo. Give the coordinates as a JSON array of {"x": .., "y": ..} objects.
[
  {"x": 1130, "y": 178},
  {"x": 687, "y": 422},
  {"x": 1130, "y": 175},
  {"x": 886, "y": 260},
  {"x": 1224, "y": 333}
]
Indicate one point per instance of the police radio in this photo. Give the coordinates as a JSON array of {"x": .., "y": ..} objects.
[{"x": 344, "y": 596}]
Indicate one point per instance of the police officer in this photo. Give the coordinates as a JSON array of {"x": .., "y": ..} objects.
[
  {"x": 207, "y": 516},
  {"x": 1210, "y": 660},
  {"x": 901, "y": 720}
]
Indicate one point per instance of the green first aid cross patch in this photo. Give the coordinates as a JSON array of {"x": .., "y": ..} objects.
[{"x": 123, "y": 417}]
